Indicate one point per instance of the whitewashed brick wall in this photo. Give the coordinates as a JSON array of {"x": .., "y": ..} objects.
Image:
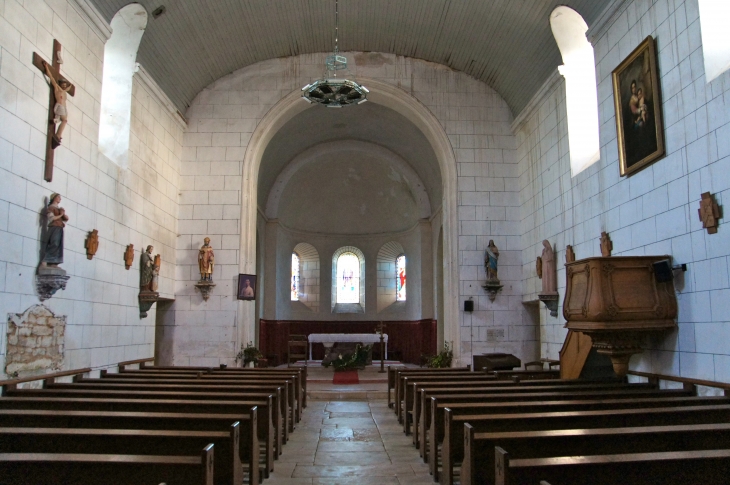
[
  {"x": 655, "y": 210},
  {"x": 136, "y": 206},
  {"x": 225, "y": 114}
]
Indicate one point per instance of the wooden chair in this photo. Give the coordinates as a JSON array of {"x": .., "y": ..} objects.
[{"x": 297, "y": 348}]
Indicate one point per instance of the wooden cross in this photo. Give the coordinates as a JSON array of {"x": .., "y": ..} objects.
[{"x": 55, "y": 71}]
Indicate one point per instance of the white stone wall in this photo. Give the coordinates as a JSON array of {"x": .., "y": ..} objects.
[
  {"x": 477, "y": 121},
  {"x": 653, "y": 211},
  {"x": 138, "y": 205}
]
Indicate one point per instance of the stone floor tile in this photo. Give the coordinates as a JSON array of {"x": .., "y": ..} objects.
[
  {"x": 352, "y": 458},
  {"x": 346, "y": 446}
]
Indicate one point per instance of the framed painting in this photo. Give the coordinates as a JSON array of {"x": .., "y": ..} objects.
[
  {"x": 638, "y": 103},
  {"x": 246, "y": 286}
]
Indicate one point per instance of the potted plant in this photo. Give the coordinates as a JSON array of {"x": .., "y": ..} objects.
[
  {"x": 250, "y": 355},
  {"x": 442, "y": 359},
  {"x": 349, "y": 360}
]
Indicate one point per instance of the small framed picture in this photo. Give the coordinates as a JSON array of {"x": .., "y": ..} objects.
[
  {"x": 246, "y": 286},
  {"x": 638, "y": 105}
]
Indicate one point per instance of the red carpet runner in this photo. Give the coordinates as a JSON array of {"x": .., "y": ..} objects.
[{"x": 346, "y": 377}]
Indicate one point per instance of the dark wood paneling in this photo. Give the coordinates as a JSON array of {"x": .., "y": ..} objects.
[{"x": 409, "y": 338}]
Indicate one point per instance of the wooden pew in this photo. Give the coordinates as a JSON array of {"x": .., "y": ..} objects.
[
  {"x": 228, "y": 466},
  {"x": 279, "y": 393},
  {"x": 299, "y": 375},
  {"x": 181, "y": 379},
  {"x": 68, "y": 468},
  {"x": 479, "y": 466},
  {"x": 185, "y": 375},
  {"x": 401, "y": 375},
  {"x": 393, "y": 372},
  {"x": 535, "y": 402},
  {"x": 249, "y": 450},
  {"x": 266, "y": 431},
  {"x": 420, "y": 390},
  {"x": 404, "y": 401},
  {"x": 708, "y": 467},
  {"x": 524, "y": 374},
  {"x": 611, "y": 418},
  {"x": 433, "y": 429}
]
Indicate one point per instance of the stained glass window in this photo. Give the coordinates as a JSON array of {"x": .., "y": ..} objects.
[
  {"x": 348, "y": 278},
  {"x": 294, "y": 277},
  {"x": 400, "y": 278}
]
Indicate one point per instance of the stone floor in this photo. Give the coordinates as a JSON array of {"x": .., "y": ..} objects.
[{"x": 349, "y": 442}]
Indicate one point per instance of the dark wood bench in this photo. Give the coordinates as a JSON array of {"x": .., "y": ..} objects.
[
  {"x": 267, "y": 432},
  {"x": 394, "y": 371},
  {"x": 402, "y": 376},
  {"x": 228, "y": 466},
  {"x": 534, "y": 403},
  {"x": 91, "y": 469},
  {"x": 421, "y": 411},
  {"x": 524, "y": 374},
  {"x": 708, "y": 467},
  {"x": 404, "y": 402},
  {"x": 433, "y": 430},
  {"x": 298, "y": 378},
  {"x": 279, "y": 393},
  {"x": 540, "y": 421},
  {"x": 478, "y": 466},
  {"x": 249, "y": 449}
]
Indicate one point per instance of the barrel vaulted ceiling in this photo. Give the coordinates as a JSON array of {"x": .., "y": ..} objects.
[{"x": 505, "y": 43}]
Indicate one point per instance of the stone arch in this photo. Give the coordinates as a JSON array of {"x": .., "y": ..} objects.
[{"x": 408, "y": 106}]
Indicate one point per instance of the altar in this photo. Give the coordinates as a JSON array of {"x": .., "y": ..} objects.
[{"x": 329, "y": 339}]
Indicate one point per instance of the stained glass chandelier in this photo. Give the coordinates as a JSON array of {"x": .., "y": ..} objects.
[{"x": 331, "y": 91}]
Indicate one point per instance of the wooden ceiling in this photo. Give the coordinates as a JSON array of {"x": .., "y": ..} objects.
[{"x": 505, "y": 43}]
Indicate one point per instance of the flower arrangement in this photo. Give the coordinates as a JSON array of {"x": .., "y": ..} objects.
[
  {"x": 248, "y": 354},
  {"x": 442, "y": 359},
  {"x": 351, "y": 359}
]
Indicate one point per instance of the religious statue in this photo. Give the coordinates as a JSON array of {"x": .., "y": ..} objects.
[
  {"x": 149, "y": 270},
  {"x": 606, "y": 245},
  {"x": 92, "y": 244},
  {"x": 569, "y": 254},
  {"x": 56, "y": 219},
  {"x": 206, "y": 261},
  {"x": 490, "y": 262},
  {"x": 549, "y": 273},
  {"x": 709, "y": 213},
  {"x": 60, "y": 92},
  {"x": 129, "y": 256},
  {"x": 492, "y": 286}
]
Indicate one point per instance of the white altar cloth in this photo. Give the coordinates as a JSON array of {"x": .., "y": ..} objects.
[{"x": 329, "y": 339}]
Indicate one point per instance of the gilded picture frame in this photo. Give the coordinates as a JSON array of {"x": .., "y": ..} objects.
[{"x": 638, "y": 103}]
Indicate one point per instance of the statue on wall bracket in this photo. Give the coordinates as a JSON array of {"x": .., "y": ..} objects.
[
  {"x": 548, "y": 273},
  {"x": 149, "y": 275},
  {"x": 206, "y": 262},
  {"x": 51, "y": 277},
  {"x": 491, "y": 258}
]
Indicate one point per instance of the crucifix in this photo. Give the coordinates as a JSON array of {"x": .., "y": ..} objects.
[
  {"x": 380, "y": 328},
  {"x": 61, "y": 88}
]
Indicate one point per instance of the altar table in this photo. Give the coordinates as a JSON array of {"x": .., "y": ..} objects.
[{"x": 329, "y": 339}]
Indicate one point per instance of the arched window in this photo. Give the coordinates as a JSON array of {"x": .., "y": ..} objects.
[
  {"x": 294, "y": 277},
  {"x": 305, "y": 277},
  {"x": 120, "y": 64},
  {"x": 348, "y": 278},
  {"x": 400, "y": 278},
  {"x": 714, "y": 19},
  {"x": 579, "y": 71}
]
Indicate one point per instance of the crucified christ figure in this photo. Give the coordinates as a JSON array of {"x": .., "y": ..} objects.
[{"x": 60, "y": 93}]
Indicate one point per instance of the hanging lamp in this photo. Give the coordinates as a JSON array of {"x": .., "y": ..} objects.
[{"x": 331, "y": 91}]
